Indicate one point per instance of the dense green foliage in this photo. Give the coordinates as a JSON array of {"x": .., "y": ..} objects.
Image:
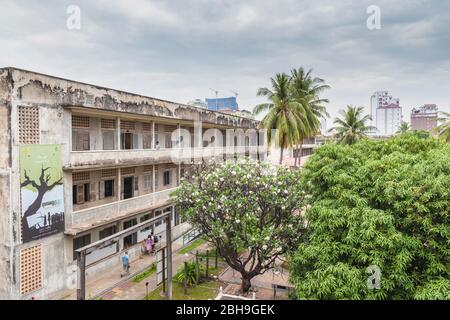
[
  {"x": 383, "y": 203},
  {"x": 244, "y": 204},
  {"x": 191, "y": 274},
  {"x": 443, "y": 129}
]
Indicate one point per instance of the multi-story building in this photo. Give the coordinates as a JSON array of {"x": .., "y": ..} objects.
[
  {"x": 218, "y": 104},
  {"x": 389, "y": 118},
  {"x": 424, "y": 118},
  {"x": 79, "y": 163},
  {"x": 380, "y": 99}
]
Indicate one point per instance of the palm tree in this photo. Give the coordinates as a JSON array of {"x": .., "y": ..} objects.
[
  {"x": 443, "y": 129},
  {"x": 306, "y": 91},
  {"x": 404, "y": 127},
  {"x": 282, "y": 113},
  {"x": 352, "y": 126}
]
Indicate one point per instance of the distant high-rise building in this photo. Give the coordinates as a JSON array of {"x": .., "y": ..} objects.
[
  {"x": 425, "y": 117},
  {"x": 380, "y": 99},
  {"x": 388, "y": 119},
  {"x": 222, "y": 103},
  {"x": 199, "y": 103}
]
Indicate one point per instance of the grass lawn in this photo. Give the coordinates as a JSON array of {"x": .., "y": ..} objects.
[
  {"x": 144, "y": 274},
  {"x": 194, "y": 244},
  {"x": 204, "y": 291}
]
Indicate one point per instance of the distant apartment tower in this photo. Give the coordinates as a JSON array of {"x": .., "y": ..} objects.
[
  {"x": 380, "y": 99},
  {"x": 222, "y": 103},
  {"x": 425, "y": 117},
  {"x": 388, "y": 119},
  {"x": 198, "y": 103}
]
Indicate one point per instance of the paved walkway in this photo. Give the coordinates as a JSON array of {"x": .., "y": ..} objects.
[{"x": 110, "y": 286}]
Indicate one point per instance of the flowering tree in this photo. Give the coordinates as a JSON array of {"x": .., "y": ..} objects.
[{"x": 244, "y": 205}]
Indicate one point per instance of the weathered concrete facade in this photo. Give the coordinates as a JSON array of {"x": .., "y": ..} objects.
[{"x": 119, "y": 173}]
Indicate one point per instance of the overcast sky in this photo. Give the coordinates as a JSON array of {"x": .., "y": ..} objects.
[{"x": 177, "y": 50}]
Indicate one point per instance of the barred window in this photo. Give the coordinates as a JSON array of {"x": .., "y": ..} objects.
[
  {"x": 127, "y": 125},
  {"x": 80, "y": 176},
  {"x": 127, "y": 170},
  {"x": 80, "y": 122},
  {"x": 108, "y": 124}
]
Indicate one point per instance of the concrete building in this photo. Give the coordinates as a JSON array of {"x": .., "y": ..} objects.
[
  {"x": 116, "y": 170},
  {"x": 424, "y": 118},
  {"x": 199, "y": 103},
  {"x": 218, "y": 104},
  {"x": 388, "y": 119},
  {"x": 380, "y": 99}
]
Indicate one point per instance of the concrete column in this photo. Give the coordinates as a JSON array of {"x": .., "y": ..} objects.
[
  {"x": 153, "y": 179},
  {"x": 169, "y": 257},
  {"x": 118, "y": 135},
  {"x": 119, "y": 186},
  {"x": 153, "y": 135},
  {"x": 81, "y": 276},
  {"x": 179, "y": 135}
]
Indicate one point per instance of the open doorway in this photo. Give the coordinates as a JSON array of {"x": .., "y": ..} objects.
[{"x": 128, "y": 187}]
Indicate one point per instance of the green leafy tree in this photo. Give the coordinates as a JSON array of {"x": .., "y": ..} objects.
[
  {"x": 244, "y": 205},
  {"x": 352, "y": 126},
  {"x": 376, "y": 203},
  {"x": 443, "y": 129},
  {"x": 283, "y": 113}
]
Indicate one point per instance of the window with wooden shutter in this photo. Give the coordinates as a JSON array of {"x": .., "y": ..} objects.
[
  {"x": 108, "y": 140},
  {"x": 168, "y": 141},
  {"x": 136, "y": 183},
  {"x": 80, "y": 194},
  {"x": 148, "y": 182},
  {"x": 80, "y": 140}
]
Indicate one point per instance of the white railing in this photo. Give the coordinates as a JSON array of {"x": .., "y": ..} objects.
[{"x": 113, "y": 210}]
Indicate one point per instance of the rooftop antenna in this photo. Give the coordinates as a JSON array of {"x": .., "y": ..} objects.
[{"x": 217, "y": 93}]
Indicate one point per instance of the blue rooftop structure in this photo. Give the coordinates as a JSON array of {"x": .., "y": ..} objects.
[{"x": 222, "y": 103}]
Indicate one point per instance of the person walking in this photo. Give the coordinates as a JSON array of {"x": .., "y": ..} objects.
[
  {"x": 149, "y": 244},
  {"x": 125, "y": 264}
]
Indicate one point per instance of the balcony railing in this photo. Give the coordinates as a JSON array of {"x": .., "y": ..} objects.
[
  {"x": 115, "y": 210},
  {"x": 101, "y": 158}
]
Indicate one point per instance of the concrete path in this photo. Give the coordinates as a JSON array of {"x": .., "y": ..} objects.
[{"x": 110, "y": 286}]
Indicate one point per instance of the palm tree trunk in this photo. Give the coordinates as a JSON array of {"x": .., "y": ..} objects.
[
  {"x": 281, "y": 155},
  {"x": 299, "y": 154},
  {"x": 295, "y": 155}
]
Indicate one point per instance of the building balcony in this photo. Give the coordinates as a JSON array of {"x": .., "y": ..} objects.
[
  {"x": 93, "y": 159},
  {"x": 89, "y": 218},
  {"x": 114, "y": 158}
]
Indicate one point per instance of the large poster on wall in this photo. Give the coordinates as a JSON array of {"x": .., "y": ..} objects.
[{"x": 41, "y": 190}]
